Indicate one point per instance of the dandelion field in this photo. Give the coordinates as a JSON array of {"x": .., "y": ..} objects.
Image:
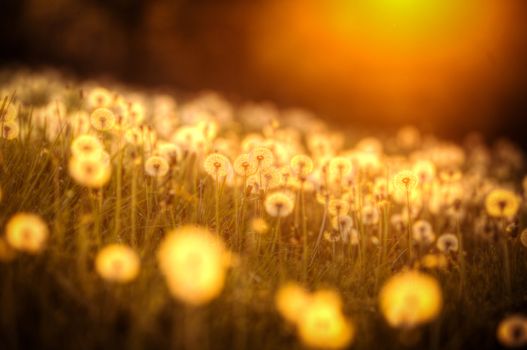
[{"x": 133, "y": 219}]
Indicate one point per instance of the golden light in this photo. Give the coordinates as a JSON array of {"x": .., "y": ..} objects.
[{"x": 402, "y": 60}]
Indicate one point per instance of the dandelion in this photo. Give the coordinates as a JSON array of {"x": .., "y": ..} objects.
[
  {"x": 339, "y": 168},
  {"x": 156, "y": 166},
  {"x": 27, "y": 232},
  {"x": 99, "y": 97},
  {"x": 279, "y": 204},
  {"x": 170, "y": 151},
  {"x": 89, "y": 172},
  {"x": 410, "y": 298},
  {"x": 194, "y": 264},
  {"x": 301, "y": 165},
  {"x": 370, "y": 215},
  {"x": 102, "y": 119},
  {"x": 338, "y": 207},
  {"x": 117, "y": 263},
  {"x": 270, "y": 178},
  {"x": 244, "y": 165},
  {"x": 424, "y": 170},
  {"x": 501, "y": 203},
  {"x": 290, "y": 300},
  {"x": 322, "y": 324},
  {"x": 343, "y": 223},
  {"x": 217, "y": 165},
  {"x": 423, "y": 232},
  {"x": 10, "y": 130},
  {"x": 512, "y": 331},
  {"x": 262, "y": 157},
  {"x": 447, "y": 243},
  {"x": 86, "y": 146},
  {"x": 405, "y": 181}
]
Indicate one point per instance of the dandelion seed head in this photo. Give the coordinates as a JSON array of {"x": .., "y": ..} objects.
[
  {"x": 102, "y": 119},
  {"x": 502, "y": 203},
  {"x": 117, "y": 263},
  {"x": 512, "y": 331},
  {"x": 279, "y": 204},
  {"x": 157, "y": 166},
  {"x": 27, "y": 232}
]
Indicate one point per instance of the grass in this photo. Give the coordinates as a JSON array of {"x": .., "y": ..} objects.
[{"x": 56, "y": 299}]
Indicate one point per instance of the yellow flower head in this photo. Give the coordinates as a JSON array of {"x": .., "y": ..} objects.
[
  {"x": 301, "y": 165},
  {"x": 512, "y": 331},
  {"x": 279, "y": 204},
  {"x": 89, "y": 172},
  {"x": 322, "y": 324},
  {"x": 410, "y": 298},
  {"x": 502, "y": 203},
  {"x": 244, "y": 165},
  {"x": 194, "y": 263},
  {"x": 156, "y": 166},
  {"x": 10, "y": 130},
  {"x": 27, "y": 232},
  {"x": 217, "y": 165},
  {"x": 290, "y": 300},
  {"x": 405, "y": 181},
  {"x": 117, "y": 263},
  {"x": 86, "y": 146},
  {"x": 262, "y": 157},
  {"x": 102, "y": 119}
]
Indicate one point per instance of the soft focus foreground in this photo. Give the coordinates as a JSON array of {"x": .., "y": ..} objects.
[{"x": 142, "y": 220}]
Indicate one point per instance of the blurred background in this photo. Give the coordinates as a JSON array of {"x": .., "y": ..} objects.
[{"x": 448, "y": 66}]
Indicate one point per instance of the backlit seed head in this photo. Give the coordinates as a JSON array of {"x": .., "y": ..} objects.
[
  {"x": 447, "y": 243},
  {"x": 301, "y": 165},
  {"x": 244, "y": 165},
  {"x": 279, "y": 204},
  {"x": 424, "y": 170},
  {"x": 338, "y": 207},
  {"x": 102, "y": 119},
  {"x": 99, "y": 97},
  {"x": 342, "y": 223},
  {"x": 89, "y": 171},
  {"x": 270, "y": 178},
  {"x": 512, "y": 331},
  {"x": 170, "y": 151},
  {"x": 422, "y": 232},
  {"x": 10, "y": 130},
  {"x": 405, "y": 181},
  {"x": 156, "y": 166},
  {"x": 194, "y": 263},
  {"x": 86, "y": 146},
  {"x": 410, "y": 298},
  {"x": 339, "y": 167},
  {"x": 262, "y": 157},
  {"x": 217, "y": 165},
  {"x": 117, "y": 263},
  {"x": 27, "y": 232},
  {"x": 502, "y": 203}
]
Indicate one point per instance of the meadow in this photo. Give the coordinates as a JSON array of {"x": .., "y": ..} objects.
[{"x": 144, "y": 220}]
